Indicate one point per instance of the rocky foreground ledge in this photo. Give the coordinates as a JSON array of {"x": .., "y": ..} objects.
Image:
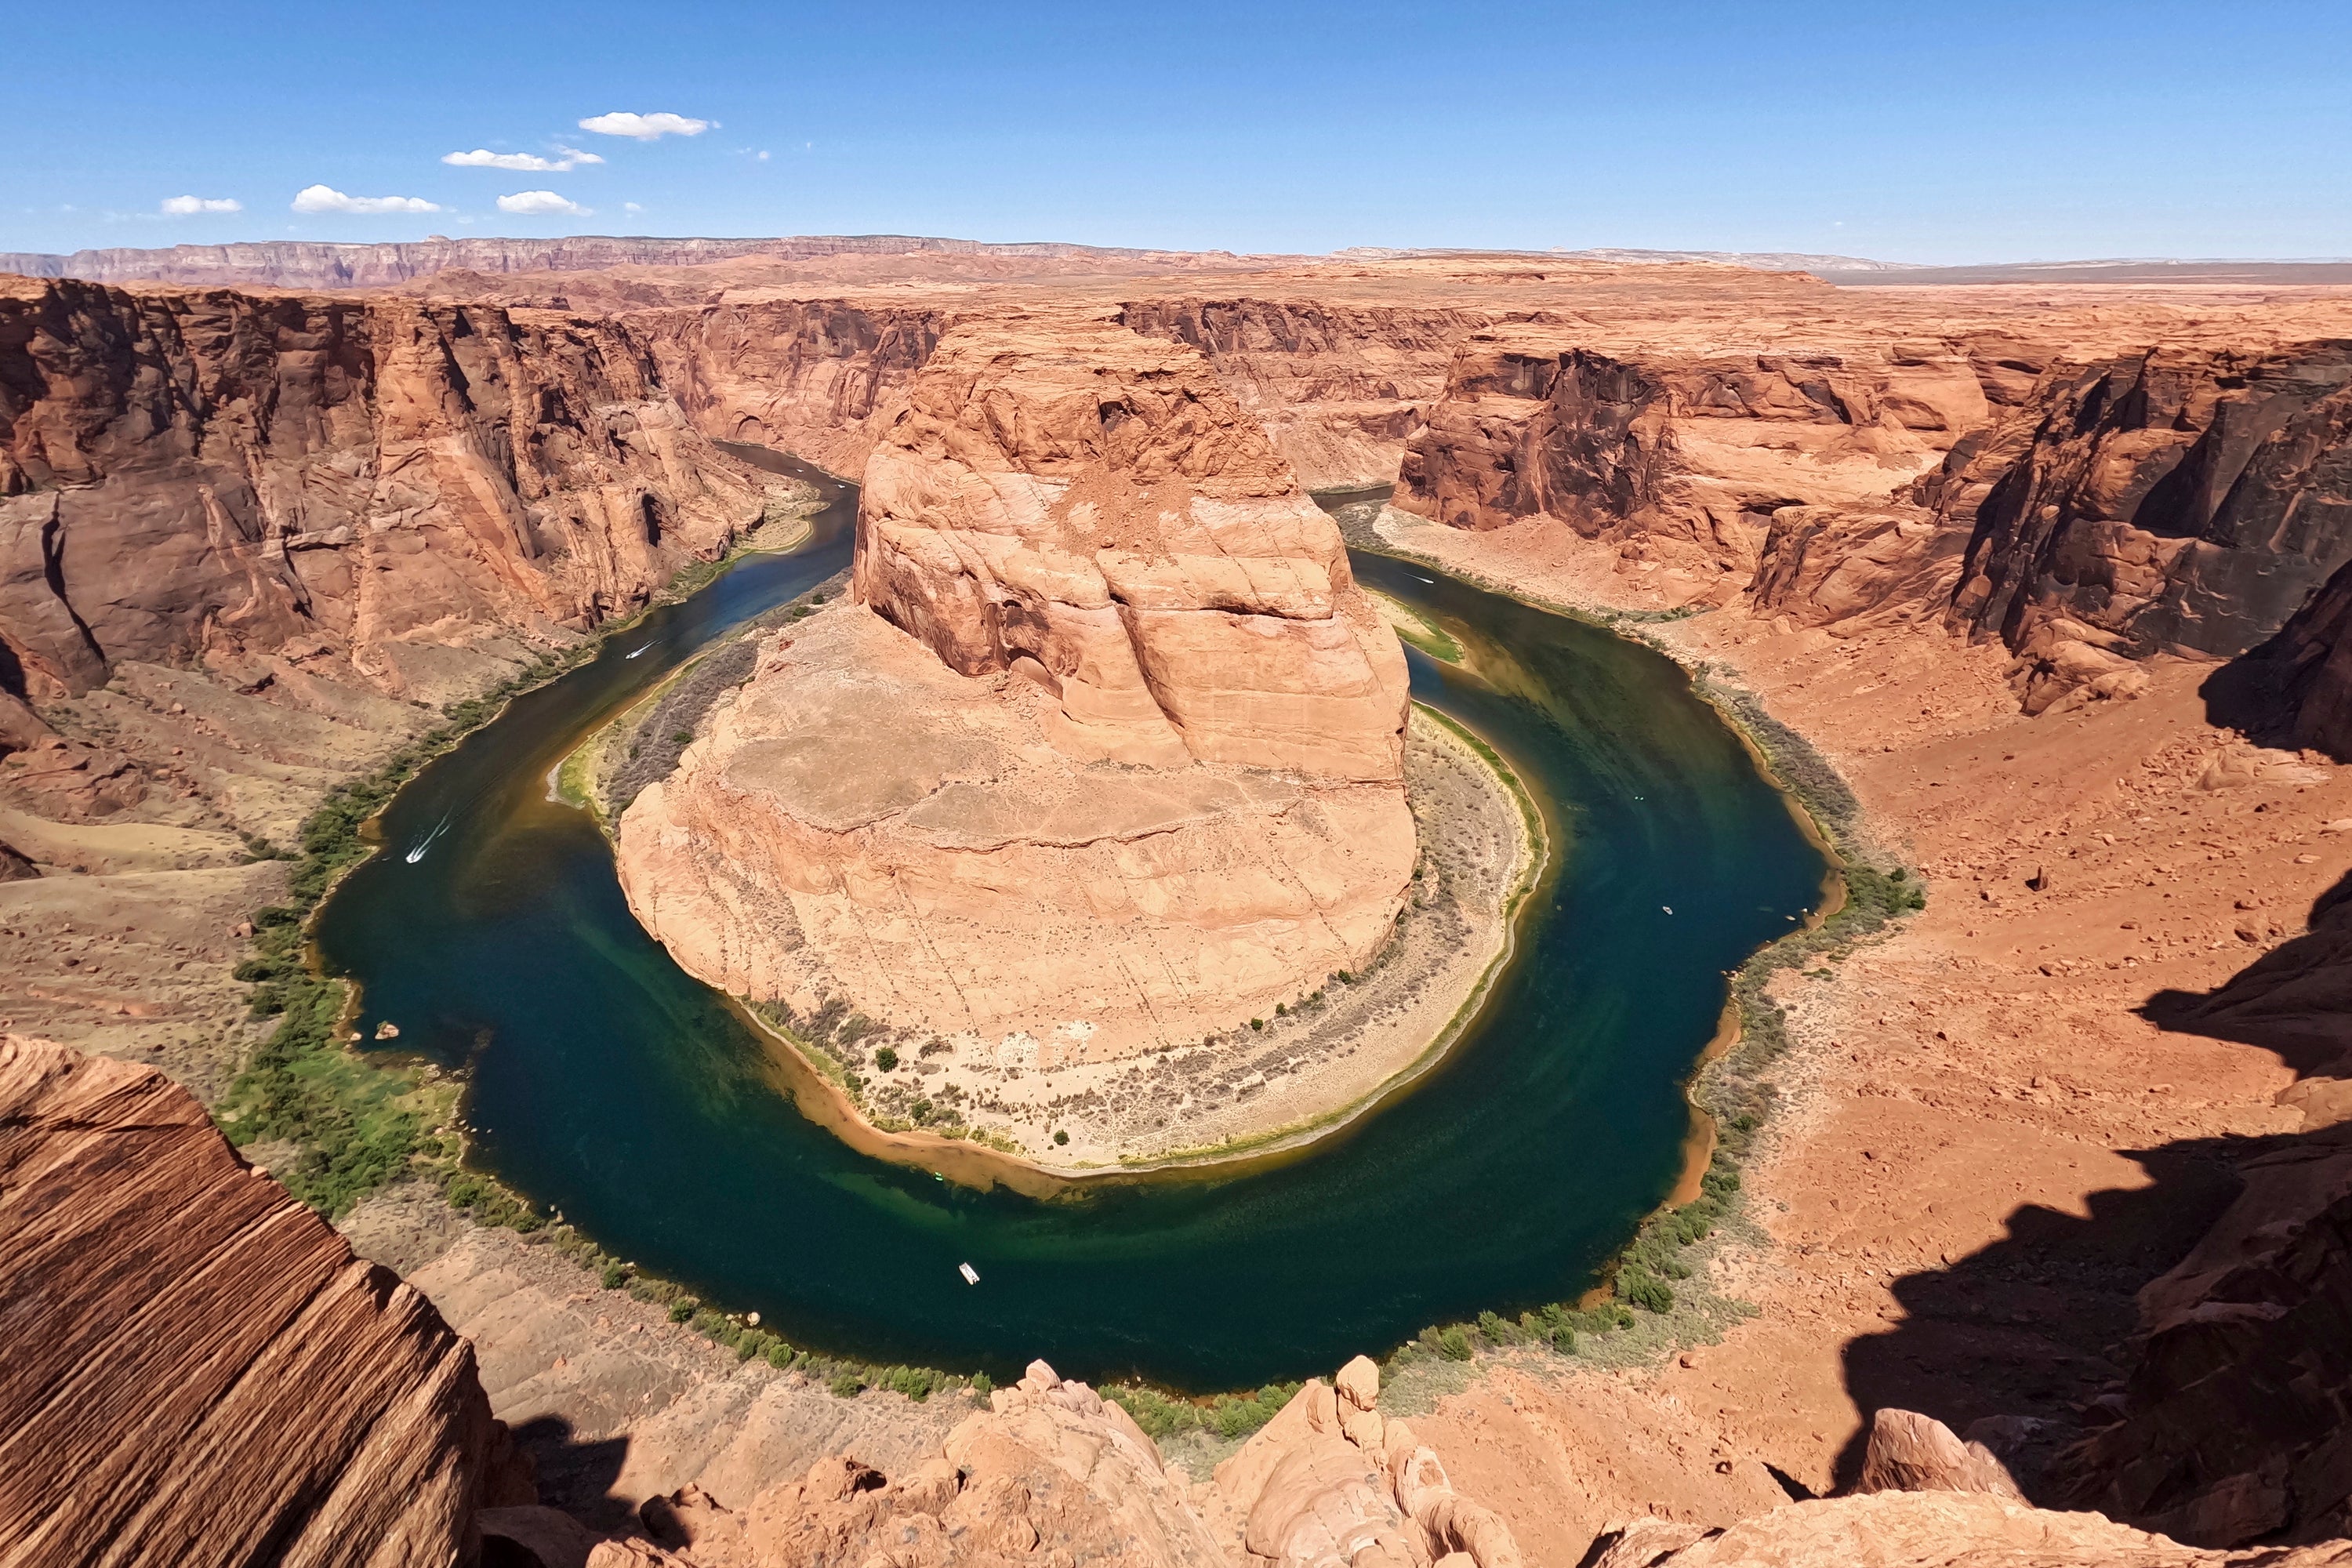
[{"x": 199, "y": 1372}]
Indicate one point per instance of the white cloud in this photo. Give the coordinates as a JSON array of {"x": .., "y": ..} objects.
[
  {"x": 644, "y": 127},
  {"x": 626, "y": 206},
  {"x": 181, "y": 206},
  {"x": 542, "y": 203},
  {"x": 566, "y": 160},
  {"x": 326, "y": 199}
]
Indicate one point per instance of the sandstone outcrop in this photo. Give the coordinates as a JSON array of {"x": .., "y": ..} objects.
[
  {"x": 2178, "y": 500},
  {"x": 817, "y": 378},
  {"x": 1054, "y": 1473},
  {"x": 1142, "y": 779},
  {"x": 198, "y": 1370},
  {"x": 1340, "y": 388},
  {"x": 190, "y": 476},
  {"x": 1051, "y": 1473},
  {"x": 1694, "y": 452},
  {"x": 1909, "y": 1452},
  {"x": 2306, "y": 671},
  {"x": 1928, "y": 1529},
  {"x": 1330, "y": 1481},
  {"x": 2184, "y": 501}
]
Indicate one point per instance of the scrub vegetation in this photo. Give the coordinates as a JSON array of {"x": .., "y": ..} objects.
[{"x": 355, "y": 1121}]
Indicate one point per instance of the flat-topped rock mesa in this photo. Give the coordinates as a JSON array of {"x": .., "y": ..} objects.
[{"x": 1106, "y": 756}]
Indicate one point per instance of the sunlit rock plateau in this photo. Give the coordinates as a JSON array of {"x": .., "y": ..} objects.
[{"x": 1105, "y": 754}]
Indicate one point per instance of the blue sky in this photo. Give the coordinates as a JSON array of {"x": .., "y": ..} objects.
[{"x": 1926, "y": 132}]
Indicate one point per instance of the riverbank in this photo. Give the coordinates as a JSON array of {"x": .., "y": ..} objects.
[{"x": 1945, "y": 1210}]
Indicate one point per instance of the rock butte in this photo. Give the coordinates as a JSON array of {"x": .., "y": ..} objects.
[
  {"x": 2053, "y": 574},
  {"x": 1143, "y": 774}
]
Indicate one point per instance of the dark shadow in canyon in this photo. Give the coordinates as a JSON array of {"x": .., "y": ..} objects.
[
  {"x": 2043, "y": 1321},
  {"x": 577, "y": 1476},
  {"x": 2034, "y": 1324},
  {"x": 2294, "y": 1001},
  {"x": 2248, "y": 694}
]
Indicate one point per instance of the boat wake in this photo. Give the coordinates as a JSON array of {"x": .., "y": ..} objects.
[
  {"x": 634, "y": 652},
  {"x": 416, "y": 851}
]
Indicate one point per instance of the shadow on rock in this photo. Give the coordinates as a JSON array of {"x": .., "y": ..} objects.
[
  {"x": 2030, "y": 1326},
  {"x": 574, "y": 1476},
  {"x": 2295, "y": 1000},
  {"x": 2181, "y": 1358}
]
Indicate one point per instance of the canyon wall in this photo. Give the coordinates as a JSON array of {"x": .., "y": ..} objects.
[
  {"x": 2185, "y": 502},
  {"x": 1692, "y": 453},
  {"x": 817, "y": 378},
  {"x": 2085, "y": 512},
  {"x": 1142, "y": 775},
  {"x": 190, "y": 475},
  {"x": 1340, "y": 388},
  {"x": 198, "y": 1370}
]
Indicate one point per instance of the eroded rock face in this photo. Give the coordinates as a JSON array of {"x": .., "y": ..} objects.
[
  {"x": 1340, "y": 389},
  {"x": 2184, "y": 502},
  {"x": 198, "y": 1370},
  {"x": 1107, "y": 757},
  {"x": 1054, "y": 1473},
  {"x": 2178, "y": 500},
  {"x": 1693, "y": 450},
  {"x": 185, "y": 475},
  {"x": 1330, "y": 1481},
  {"x": 817, "y": 378},
  {"x": 1068, "y": 493}
]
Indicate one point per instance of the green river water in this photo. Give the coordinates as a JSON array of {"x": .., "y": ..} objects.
[{"x": 606, "y": 1083}]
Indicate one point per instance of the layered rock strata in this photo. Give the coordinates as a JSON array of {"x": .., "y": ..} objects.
[
  {"x": 2177, "y": 502},
  {"x": 191, "y": 476},
  {"x": 1691, "y": 451},
  {"x": 312, "y": 264},
  {"x": 198, "y": 1368},
  {"x": 1106, "y": 757}
]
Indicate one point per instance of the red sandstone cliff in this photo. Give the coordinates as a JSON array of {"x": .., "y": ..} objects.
[
  {"x": 197, "y": 1370},
  {"x": 186, "y": 475},
  {"x": 1692, "y": 452}
]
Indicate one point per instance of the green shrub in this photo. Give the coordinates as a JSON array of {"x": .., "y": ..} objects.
[
  {"x": 885, "y": 1058},
  {"x": 615, "y": 1276},
  {"x": 847, "y": 1384},
  {"x": 780, "y": 1356},
  {"x": 1061, "y": 1135},
  {"x": 1496, "y": 1332},
  {"x": 679, "y": 1312},
  {"x": 1454, "y": 1345},
  {"x": 1644, "y": 1289},
  {"x": 914, "y": 1381}
]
